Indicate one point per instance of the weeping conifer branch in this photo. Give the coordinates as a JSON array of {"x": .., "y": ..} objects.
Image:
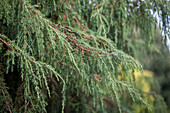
[{"x": 71, "y": 47}]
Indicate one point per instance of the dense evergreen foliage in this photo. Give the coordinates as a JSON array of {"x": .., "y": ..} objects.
[{"x": 66, "y": 55}]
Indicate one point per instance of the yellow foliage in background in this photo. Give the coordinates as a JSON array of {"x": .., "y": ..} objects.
[
  {"x": 141, "y": 80},
  {"x": 143, "y": 84},
  {"x": 145, "y": 87}
]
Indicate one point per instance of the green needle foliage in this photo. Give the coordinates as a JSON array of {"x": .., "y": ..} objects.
[{"x": 66, "y": 54}]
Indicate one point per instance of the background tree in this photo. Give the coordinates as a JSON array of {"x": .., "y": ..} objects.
[
  {"x": 157, "y": 60},
  {"x": 154, "y": 84},
  {"x": 66, "y": 55}
]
